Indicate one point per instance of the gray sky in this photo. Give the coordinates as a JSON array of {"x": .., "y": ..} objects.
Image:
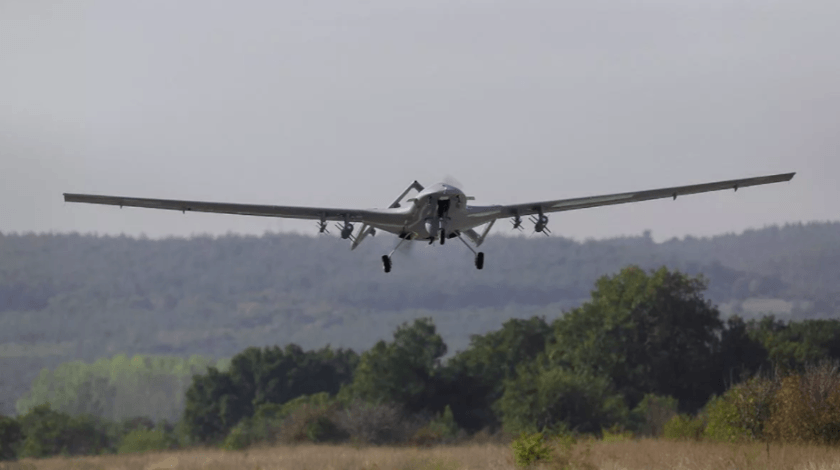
[{"x": 337, "y": 103}]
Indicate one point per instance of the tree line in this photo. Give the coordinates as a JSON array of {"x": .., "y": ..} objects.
[
  {"x": 83, "y": 297},
  {"x": 644, "y": 340}
]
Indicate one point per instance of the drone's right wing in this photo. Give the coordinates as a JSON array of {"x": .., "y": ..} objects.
[{"x": 378, "y": 217}]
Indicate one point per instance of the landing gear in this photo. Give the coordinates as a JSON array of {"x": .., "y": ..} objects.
[
  {"x": 442, "y": 237},
  {"x": 479, "y": 257},
  {"x": 386, "y": 259}
]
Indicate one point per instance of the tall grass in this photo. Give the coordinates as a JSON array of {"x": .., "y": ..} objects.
[{"x": 650, "y": 454}]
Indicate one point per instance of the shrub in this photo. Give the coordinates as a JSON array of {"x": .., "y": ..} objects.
[
  {"x": 807, "y": 407},
  {"x": 529, "y": 449},
  {"x": 144, "y": 439},
  {"x": 11, "y": 436},
  {"x": 240, "y": 436},
  {"x": 310, "y": 423},
  {"x": 723, "y": 420},
  {"x": 441, "y": 428},
  {"x": 50, "y": 432},
  {"x": 320, "y": 400},
  {"x": 682, "y": 427},
  {"x": 651, "y": 414},
  {"x": 748, "y": 406},
  {"x": 367, "y": 423},
  {"x": 545, "y": 398},
  {"x": 616, "y": 434}
]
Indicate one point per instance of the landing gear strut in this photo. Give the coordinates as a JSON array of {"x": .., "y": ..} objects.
[
  {"x": 479, "y": 257},
  {"x": 386, "y": 259}
]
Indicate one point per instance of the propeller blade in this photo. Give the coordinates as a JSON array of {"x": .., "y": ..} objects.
[{"x": 452, "y": 181}]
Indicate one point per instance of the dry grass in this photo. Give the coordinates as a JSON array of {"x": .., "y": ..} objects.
[{"x": 628, "y": 455}]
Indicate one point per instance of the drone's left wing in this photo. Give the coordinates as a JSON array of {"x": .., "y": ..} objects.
[
  {"x": 383, "y": 217},
  {"x": 559, "y": 205}
]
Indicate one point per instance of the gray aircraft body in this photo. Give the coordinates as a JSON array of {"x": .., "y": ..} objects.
[{"x": 436, "y": 213}]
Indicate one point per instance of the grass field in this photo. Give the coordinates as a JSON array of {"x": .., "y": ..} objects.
[{"x": 648, "y": 454}]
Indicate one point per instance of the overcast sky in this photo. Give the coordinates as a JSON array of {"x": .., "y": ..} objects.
[{"x": 344, "y": 103}]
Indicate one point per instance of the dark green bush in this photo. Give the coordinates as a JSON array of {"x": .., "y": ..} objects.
[
  {"x": 11, "y": 437},
  {"x": 50, "y": 432}
]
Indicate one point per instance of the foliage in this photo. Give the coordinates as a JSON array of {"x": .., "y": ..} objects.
[
  {"x": 11, "y": 436},
  {"x": 217, "y": 401},
  {"x": 684, "y": 427},
  {"x": 49, "y": 432},
  {"x": 475, "y": 377},
  {"x": 741, "y": 413},
  {"x": 544, "y": 398},
  {"x": 145, "y": 439},
  {"x": 441, "y": 428},
  {"x": 648, "y": 418},
  {"x": 723, "y": 421},
  {"x": 213, "y": 406},
  {"x": 311, "y": 423},
  {"x": 240, "y": 436},
  {"x": 530, "y": 448},
  {"x": 742, "y": 353},
  {"x": 793, "y": 345},
  {"x": 215, "y": 296},
  {"x": 807, "y": 407},
  {"x": 404, "y": 370},
  {"x": 649, "y": 332},
  {"x": 368, "y": 423},
  {"x": 616, "y": 434},
  {"x": 117, "y": 388}
]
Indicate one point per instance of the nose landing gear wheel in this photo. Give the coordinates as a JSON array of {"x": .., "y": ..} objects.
[
  {"x": 386, "y": 263},
  {"x": 479, "y": 260},
  {"x": 442, "y": 237}
]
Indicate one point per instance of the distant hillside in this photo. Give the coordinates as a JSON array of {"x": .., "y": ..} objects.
[{"x": 68, "y": 296}]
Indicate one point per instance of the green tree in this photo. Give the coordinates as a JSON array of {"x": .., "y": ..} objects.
[
  {"x": 792, "y": 345},
  {"x": 217, "y": 401},
  {"x": 49, "y": 432},
  {"x": 545, "y": 398},
  {"x": 650, "y": 332},
  {"x": 475, "y": 377},
  {"x": 11, "y": 436},
  {"x": 741, "y": 353},
  {"x": 404, "y": 371}
]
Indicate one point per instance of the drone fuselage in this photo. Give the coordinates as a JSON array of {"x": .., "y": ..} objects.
[{"x": 438, "y": 207}]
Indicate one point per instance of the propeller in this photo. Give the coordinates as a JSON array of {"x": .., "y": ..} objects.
[{"x": 452, "y": 181}]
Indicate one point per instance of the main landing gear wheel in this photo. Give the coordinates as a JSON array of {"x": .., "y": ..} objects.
[
  {"x": 386, "y": 263},
  {"x": 479, "y": 260},
  {"x": 442, "y": 237}
]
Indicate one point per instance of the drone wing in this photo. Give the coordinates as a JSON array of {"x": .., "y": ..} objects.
[
  {"x": 621, "y": 198},
  {"x": 380, "y": 217}
]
